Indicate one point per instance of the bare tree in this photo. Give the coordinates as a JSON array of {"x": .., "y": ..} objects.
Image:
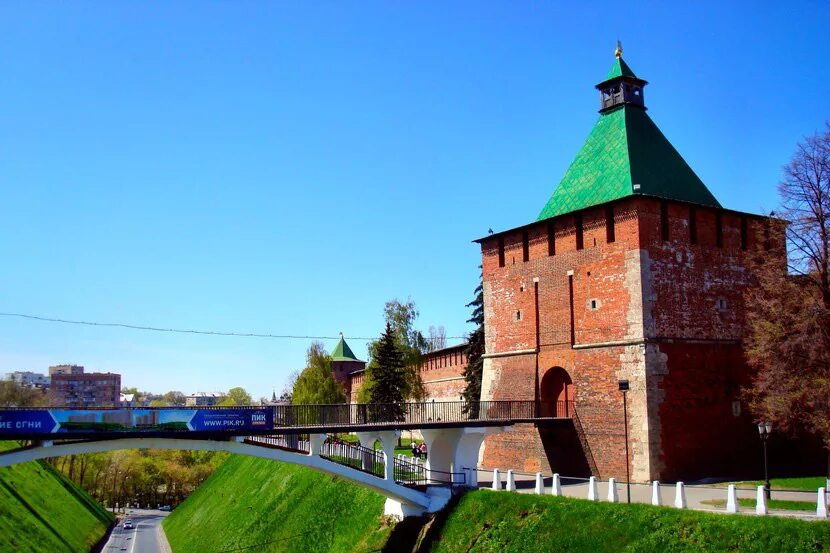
[
  {"x": 437, "y": 338},
  {"x": 789, "y": 312},
  {"x": 805, "y": 195}
]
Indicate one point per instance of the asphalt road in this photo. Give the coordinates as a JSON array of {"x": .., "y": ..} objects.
[{"x": 144, "y": 538}]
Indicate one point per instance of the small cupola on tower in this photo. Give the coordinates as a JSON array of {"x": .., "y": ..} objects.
[{"x": 621, "y": 86}]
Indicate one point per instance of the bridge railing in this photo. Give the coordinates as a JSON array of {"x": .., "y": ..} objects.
[
  {"x": 411, "y": 473},
  {"x": 359, "y": 414},
  {"x": 364, "y": 459}
]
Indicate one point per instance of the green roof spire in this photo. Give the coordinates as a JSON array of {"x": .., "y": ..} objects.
[
  {"x": 342, "y": 351},
  {"x": 625, "y": 154},
  {"x": 620, "y": 68}
]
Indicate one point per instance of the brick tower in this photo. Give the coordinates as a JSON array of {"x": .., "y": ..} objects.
[
  {"x": 633, "y": 270},
  {"x": 346, "y": 368}
]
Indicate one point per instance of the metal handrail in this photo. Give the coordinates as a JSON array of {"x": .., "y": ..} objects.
[
  {"x": 364, "y": 459},
  {"x": 416, "y": 474},
  {"x": 357, "y": 414}
]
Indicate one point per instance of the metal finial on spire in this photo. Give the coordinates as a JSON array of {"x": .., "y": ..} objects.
[
  {"x": 618, "y": 51},
  {"x": 341, "y": 333}
]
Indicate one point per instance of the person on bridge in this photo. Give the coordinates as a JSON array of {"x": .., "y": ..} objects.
[{"x": 422, "y": 449}]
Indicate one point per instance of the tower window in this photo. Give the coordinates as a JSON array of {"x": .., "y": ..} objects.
[
  {"x": 519, "y": 315},
  {"x": 692, "y": 225},
  {"x": 501, "y": 251},
  {"x": 525, "y": 246},
  {"x": 610, "y": 234},
  {"x": 551, "y": 238},
  {"x": 664, "y": 220},
  {"x": 578, "y": 222},
  {"x": 719, "y": 229}
]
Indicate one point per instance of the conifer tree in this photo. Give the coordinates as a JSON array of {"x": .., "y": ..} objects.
[
  {"x": 474, "y": 351},
  {"x": 388, "y": 379}
]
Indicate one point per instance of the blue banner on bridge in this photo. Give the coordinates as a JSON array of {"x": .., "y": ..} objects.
[{"x": 67, "y": 421}]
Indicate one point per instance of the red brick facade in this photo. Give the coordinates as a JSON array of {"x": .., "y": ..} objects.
[
  {"x": 441, "y": 372},
  {"x": 662, "y": 311}
]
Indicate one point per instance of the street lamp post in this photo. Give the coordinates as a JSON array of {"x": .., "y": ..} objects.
[
  {"x": 764, "y": 430},
  {"x": 624, "y": 389}
]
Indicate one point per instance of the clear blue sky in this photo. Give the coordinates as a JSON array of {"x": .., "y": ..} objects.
[{"x": 288, "y": 167}]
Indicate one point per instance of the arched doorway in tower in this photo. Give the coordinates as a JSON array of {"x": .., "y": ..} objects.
[
  {"x": 557, "y": 393},
  {"x": 567, "y": 453}
]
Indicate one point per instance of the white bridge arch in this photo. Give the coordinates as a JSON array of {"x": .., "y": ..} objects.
[{"x": 401, "y": 500}]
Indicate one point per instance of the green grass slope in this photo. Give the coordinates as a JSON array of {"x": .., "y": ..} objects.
[
  {"x": 251, "y": 504},
  {"x": 40, "y": 510},
  {"x": 508, "y": 522}
]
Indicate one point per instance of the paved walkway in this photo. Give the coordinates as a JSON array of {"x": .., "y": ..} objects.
[{"x": 641, "y": 493}]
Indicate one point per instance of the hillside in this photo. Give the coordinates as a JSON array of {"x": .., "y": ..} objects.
[
  {"x": 251, "y": 504},
  {"x": 40, "y": 510},
  {"x": 258, "y": 505},
  {"x": 510, "y": 522}
]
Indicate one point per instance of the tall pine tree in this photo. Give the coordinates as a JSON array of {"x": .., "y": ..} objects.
[
  {"x": 388, "y": 379},
  {"x": 474, "y": 351}
]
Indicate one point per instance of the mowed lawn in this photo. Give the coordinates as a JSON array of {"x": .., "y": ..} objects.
[
  {"x": 259, "y": 505},
  {"x": 489, "y": 521},
  {"x": 805, "y": 483},
  {"x": 41, "y": 511}
]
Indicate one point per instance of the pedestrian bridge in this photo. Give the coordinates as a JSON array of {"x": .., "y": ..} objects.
[{"x": 298, "y": 434}]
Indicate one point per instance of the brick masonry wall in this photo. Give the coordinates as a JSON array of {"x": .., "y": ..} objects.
[
  {"x": 441, "y": 372},
  {"x": 667, "y": 315},
  {"x": 607, "y": 307}
]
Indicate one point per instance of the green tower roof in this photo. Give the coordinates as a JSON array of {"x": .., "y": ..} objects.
[
  {"x": 625, "y": 155},
  {"x": 620, "y": 69},
  {"x": 342, "y": 352}
]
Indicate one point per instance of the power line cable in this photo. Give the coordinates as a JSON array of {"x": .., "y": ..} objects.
[{"x": 192, "y": 331}]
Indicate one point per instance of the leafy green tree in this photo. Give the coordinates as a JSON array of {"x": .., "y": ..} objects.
[
  {"x": 174, "y": 397},
  {"x": 410, "y": 343},
  {"x": 388, "y": 378},
  {"x": 474, "y": 351},
  {"x": 236, "y": 397},
  {"x": 14, "y": 395},
  {"x": 316, "y": 384}
]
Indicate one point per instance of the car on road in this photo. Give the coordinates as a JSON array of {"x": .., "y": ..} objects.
[
  {"x": 165, "y": 508},
  {"x": 128, "y": 524}
]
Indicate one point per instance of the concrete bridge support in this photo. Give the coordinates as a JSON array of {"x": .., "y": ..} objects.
[
  {"x": 388, "y": 440},
  {"x": 455, "y": 450}
]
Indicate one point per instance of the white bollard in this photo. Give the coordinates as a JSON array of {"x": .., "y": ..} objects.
[
  {"x": 496, "y": 479},
  {"x": 821, "y": 504},
  {"x": 613, "y": 496},
  {"x": 593, "y": 493},
  {"x": 556, "y": 487},
  {"x": 680, "y": 496},
  {"x": 655, "y": 493},
  {"x": 540, "y": 484},
  {"x": 511, "y": 481},
  {"x": 761, "y": 501},
  {"x": 731, "y": 499}
]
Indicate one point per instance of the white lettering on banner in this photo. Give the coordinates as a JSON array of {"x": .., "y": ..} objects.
[
  {"x": 28, "y": 424},
  {"x": 225, "y": 423}
]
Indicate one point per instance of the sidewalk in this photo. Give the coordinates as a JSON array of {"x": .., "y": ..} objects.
[{"x": 641, "y": 493}]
